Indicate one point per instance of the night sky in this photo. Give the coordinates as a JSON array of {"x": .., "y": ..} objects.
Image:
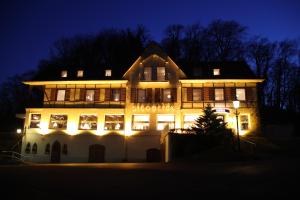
[{"x": 29, "y": 27}]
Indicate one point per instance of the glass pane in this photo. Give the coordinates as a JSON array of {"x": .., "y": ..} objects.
[
  {"x": 114, "y": 122},
  {"x": 90, "y": 95},
  {"x": 141, "y": 95},
  {"x": 61, "y": 95},
  {"x": 147, "y": 74},
  {"x": 88, "y": 122},
  {"x": 240, "y": 94},
  {"x": 140, "y": 122},
  {"x": 35, "y": 121},
  {"x": 219, "y": 94},
  {"x": 116, "y": 94},
  {"x": 196, "y": 94},
  {"x": 167, "y": 95},
  {"x": 58, "y": 121},
  {"x": 161, "y": 73}
]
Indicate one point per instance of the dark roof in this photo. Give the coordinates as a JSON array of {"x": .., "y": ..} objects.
[{"x": 228, "y": 70}]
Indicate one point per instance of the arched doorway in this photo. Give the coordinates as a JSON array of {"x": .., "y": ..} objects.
[
  {"x": 55, "y": 152},
  {"x": 96, "y": 153},
  {"x": 153, "y": 155}
]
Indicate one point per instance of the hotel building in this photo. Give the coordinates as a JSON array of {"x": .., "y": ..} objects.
[{"x": 116, "y": 118}]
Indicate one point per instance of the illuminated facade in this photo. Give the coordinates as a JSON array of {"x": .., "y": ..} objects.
[{"x": 111, "y": 120}]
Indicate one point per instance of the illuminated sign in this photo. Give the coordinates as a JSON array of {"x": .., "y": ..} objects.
[
  {"x": 221, "y": 110},
  {"x": 153, "y": 108}
]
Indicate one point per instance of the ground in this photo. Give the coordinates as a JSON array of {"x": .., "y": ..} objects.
[{"x": 260, "y": 178}]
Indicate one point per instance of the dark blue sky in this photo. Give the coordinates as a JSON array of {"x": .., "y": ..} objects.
[{"x": 29, "y": 27}]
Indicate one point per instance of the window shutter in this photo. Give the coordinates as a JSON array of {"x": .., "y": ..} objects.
[
  {"x": 211, "y": 94},
  {"x": 189, "y": 94},
  {"x": 82, "y": 94},
  {"x": 149, "y": 95},
  {"x": 154, "y": 73},
  {"x": 53, "y": 94},
  {"x": 229, "y": 93},
  {"x": 97, "y": 95},
  {"x": 67, "y": 95},
  {"x": 122, "y": 94},
  {"x": 133, "y": 95},
  {"x": 107, "y": 94},
  {"x": 174, "y": 94},
  {"x": 206, "y": 94},
  {"x": 233, "y": 93},
  {"x": 250, "y": 94},
  {"x": 157, "y": 95}
]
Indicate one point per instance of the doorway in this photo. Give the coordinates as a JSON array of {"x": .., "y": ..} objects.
[
  {"x": 96, "y": 153},
  {"x": 55, "y": 152}
]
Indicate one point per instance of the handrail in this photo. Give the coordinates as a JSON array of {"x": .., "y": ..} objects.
[{"x": 16, "y": 155}]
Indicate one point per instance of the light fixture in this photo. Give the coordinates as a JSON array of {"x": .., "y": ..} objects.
[
  {"x": 236, "y": 104},
  {"x": 19, "y": 131}
]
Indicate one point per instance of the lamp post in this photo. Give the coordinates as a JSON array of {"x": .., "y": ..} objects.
[{"x": 236, "y": 105}]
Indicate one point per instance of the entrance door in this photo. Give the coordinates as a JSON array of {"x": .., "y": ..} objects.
[
  {"x": 96, "y": 153},
  {"x": 55, "y": 152}
]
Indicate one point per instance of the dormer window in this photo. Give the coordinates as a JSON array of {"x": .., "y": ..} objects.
[
  {"x": 161, "y": 73},
  {"x": 216, "y": 72},
  {"x": 64, "y": 74},
  {"x": 108, "y": 72},
  {"x": 80, "y": 73}
]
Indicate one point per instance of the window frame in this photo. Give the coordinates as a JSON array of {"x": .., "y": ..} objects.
[
  {"x": 31, "y": 120},
  {"x": 63, "y": 128},
  {"x": 165, "y": 122},
  {"x": 80, "y": 122},
  {"x": 143, "y": 122},
  {"x": 215, "y": 92},
  {"x": 236, "y": 94},
  {"x": 241, "y": 122},
  {"x": 64, "y": 96},
  {"x": 122, "y": 127}
]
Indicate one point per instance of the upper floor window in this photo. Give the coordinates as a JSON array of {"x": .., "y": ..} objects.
[
  {"x": 197, "y": 94},
  {"x": 64, "y": 74},
  {"x": 161, "y": 73},
  {"x": 80, "y": 73},
  {"x": 88, "y": 122},
  {"x": 240, "y": 94},
  {"x": 58, "y": 122},
  {"x": 61, "y": 95},
  {"x": 35, "y": 120},
  {"x": 116, "y": 94},
  {"x": 165, "y": 120},
  {"x": 108, "y": 72},
  {"x": 219, "y": 94},
  {"x": 148, "y": 73},
  {"x": 141, "y": 96},
  {"x": 114, "y": 122},
  {"x": 89, "y": 95},
  {"x": 216, "y": 72},
  {"x": 140, "y": 122},
  {"x": 167, "y": 96}
]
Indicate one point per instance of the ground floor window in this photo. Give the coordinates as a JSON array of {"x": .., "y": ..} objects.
[
  {"x": 165, "y": 120},
  {"x": 35, "y": 120},
  {"x": 58, "y": 122},
  {"x": 34, "y": 148},
  {"x": 114, "y": 122},
  {"x": 88, "y": 122},
  {"x": 189, "y": 121},
  {"x": 244, "y": 121},
  {"x": 140, "y": 122}
]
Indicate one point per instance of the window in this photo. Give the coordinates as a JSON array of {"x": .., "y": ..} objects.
[
  {"x": 65, "y": 149},
  {"x": 116, "y": 94},
  {"x": 165, "y": 120},
  {"x": 219, "y": 94},
  {"x": 189, "y": 121},
  {"x": 88, "y": 122},
  {"x": 141, "y": 95},
  {"x": 244, "y": 121},
  {"x": 35, "y": 121},
  {"x": 167, "y": 97},
  {"x": 28, "y": 148},
  {"x": 240, "y": 94},
  {"x": 34, "y": 148},
  {"x": 161, "y": 73},
  {"x": 140, "y": 122},
  {"x": 58, "y": 122},
  {"x": 64, "y": 74},
  {"x": 108, "y": 72},
  {"x": 216, "y": 72},
  {"x": 89, "y": 95},
  {"x": 47, "y": 149},
  {"x": 80, "y": 73},
  {"x": 147, "y": 73},
  {"x": 114, "y": 122},
  {"x": 61, "y": 95},
  {"x": 197, "y": 94}
]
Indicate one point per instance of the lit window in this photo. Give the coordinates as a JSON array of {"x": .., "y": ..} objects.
[
  {"x": 147, "y": 73},
  {"x": 80, "y": 73},
  {"x": 114, "y": 122},
  {"x": 244, "y": 121},
  {"x": 88, "y": 122},
  {"x": 165, "y": 120},
  {"x": 108, "y": 72},
  {"x": 140, "y": 122},
  {"x": 167, "y": 97},
  {"x": 189, "y": 121},
  {"x": 58, "y": 122},
  {"x": 61, "y": 95},
  {"x": 161, "y": 73},
  {"x": 141, "y": 95},
  {"x": 197, "y": 94},
  {"x": 89, "y": 96},
  {"x": 240, "y": 94},
  {"x": 64, "y": 74},
  {"x": 116, "y": 94},
  {"x": 219, "y": 94},
  {"x": 35, "y": 121},
  {"x": 216, "y": 72}
]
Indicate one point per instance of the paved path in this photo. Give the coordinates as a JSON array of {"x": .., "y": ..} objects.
[{"x": 271, "y": 178}]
